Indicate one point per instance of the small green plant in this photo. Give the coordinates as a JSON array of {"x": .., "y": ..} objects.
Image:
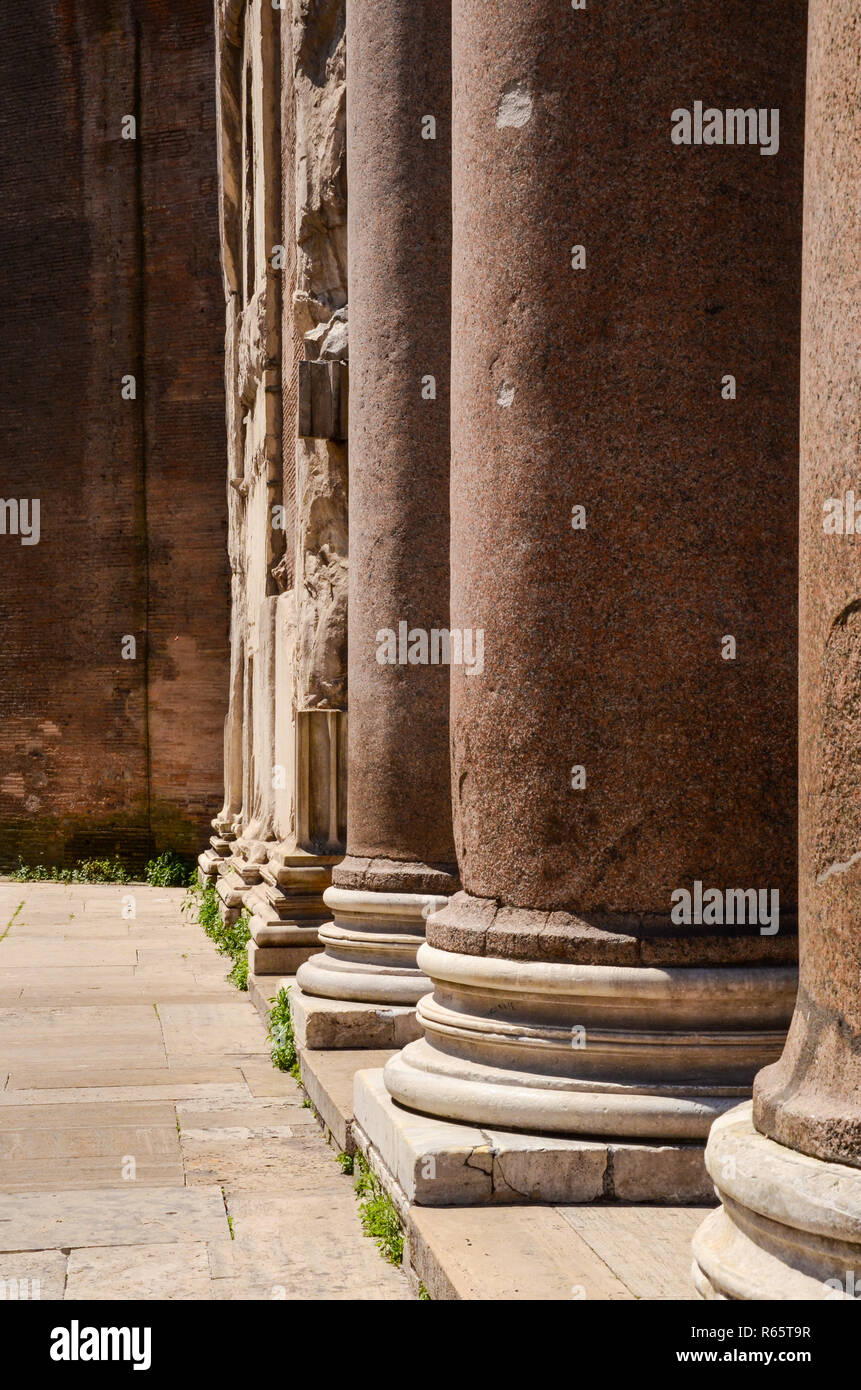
[
  {"x": 282, "y": 1042},
  {"x": 170, "y": 870},
  {"x": 378, "y": 1213},
  {"x": 85, "y": 871},
  {"x": 424, "y": 1296},
  {"x": 347, "y": 1162},
  {"x": 238, "y": 975},
  {"x": 231, "y": 939}
]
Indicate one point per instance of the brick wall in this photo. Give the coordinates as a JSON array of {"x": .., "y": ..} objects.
[{"x": 108, "y": 267}]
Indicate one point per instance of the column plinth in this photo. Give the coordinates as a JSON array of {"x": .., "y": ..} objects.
[{"x": 789, "y": 1226}]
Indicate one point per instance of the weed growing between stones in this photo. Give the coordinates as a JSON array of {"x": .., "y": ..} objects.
[
  {"x": 230, "y": 940},
  {"x": 347, "y": 1162},
  {"x": 378, "y": 1213},
  {"x": 282, "y": 1049},
  {"x": 5, "y": 933}
]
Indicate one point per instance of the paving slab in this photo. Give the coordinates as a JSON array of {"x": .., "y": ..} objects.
[
  {"x": 289, "y": 1246},
  {"x": 328, "y": 1077},
  {"x": 264, "y": 1080},
  {"x": 32, "y": 1275},
  {"x": 649, "y": 1248},
  {"x": 301, "y": 1160},
  {"x": 512, "y": 1253},
  {"x": 129, "y": 1215},
  {"x": 169, "y": 1272}
]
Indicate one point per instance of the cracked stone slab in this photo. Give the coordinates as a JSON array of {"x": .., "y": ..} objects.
[
  {"x": 437, "y": 1163},
  {"x": 440, "y": 1163}
]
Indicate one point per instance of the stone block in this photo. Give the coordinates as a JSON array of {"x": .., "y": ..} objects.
[{"x": 344, "y": 1023}]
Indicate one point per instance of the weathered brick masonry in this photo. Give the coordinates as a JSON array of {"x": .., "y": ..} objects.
[{"x": 107, "y": 269}]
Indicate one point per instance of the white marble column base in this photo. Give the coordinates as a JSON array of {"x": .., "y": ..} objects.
[
  {"x": 370, "y": 948},
  {"x": 789, "y": 1226},
  {"x": 628, "y": 1052}
]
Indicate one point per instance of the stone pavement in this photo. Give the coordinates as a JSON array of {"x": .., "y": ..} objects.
[{"x": 148, "y": 1149}]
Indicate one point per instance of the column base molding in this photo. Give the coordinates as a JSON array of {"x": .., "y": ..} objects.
[
  {"x": 287, "y": 910},
  {"x": 210, "y": 861},
  {"x": 613, "y": 1051},
  {"x": 789, "y": 1226},
  {"x": 370, "y": 948}
]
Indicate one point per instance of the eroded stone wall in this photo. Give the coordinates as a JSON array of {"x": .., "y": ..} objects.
[{"x": 282, "y": 81}]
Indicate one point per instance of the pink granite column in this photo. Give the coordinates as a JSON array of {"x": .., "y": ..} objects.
[
  {"x": 400, "y": 854},
  {"x": 617, "y": 515},
  {"x": 790, "y": 1225}
]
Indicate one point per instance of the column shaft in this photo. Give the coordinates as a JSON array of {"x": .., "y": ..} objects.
[{"x": 400, "y": 855}]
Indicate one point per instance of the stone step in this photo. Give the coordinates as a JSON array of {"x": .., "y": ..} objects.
[
  {"x": 263, "y": 988},
  {"x": 328, "y": 1079},
  {"x": 553, "y": 1253}
]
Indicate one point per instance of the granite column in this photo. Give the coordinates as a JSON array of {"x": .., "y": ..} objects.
[{"x": 400, "y": 855}]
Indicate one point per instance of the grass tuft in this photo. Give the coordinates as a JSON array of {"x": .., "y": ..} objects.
[
  {"x": 282, "y": 1042},
  {"x": 230, "y": 940},
  {"x": 378, "y": 1213}
]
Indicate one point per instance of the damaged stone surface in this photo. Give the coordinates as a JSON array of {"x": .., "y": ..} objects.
[
  {"x": 437, "y": 1163},
  {"x": 282, "y": 76}
]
